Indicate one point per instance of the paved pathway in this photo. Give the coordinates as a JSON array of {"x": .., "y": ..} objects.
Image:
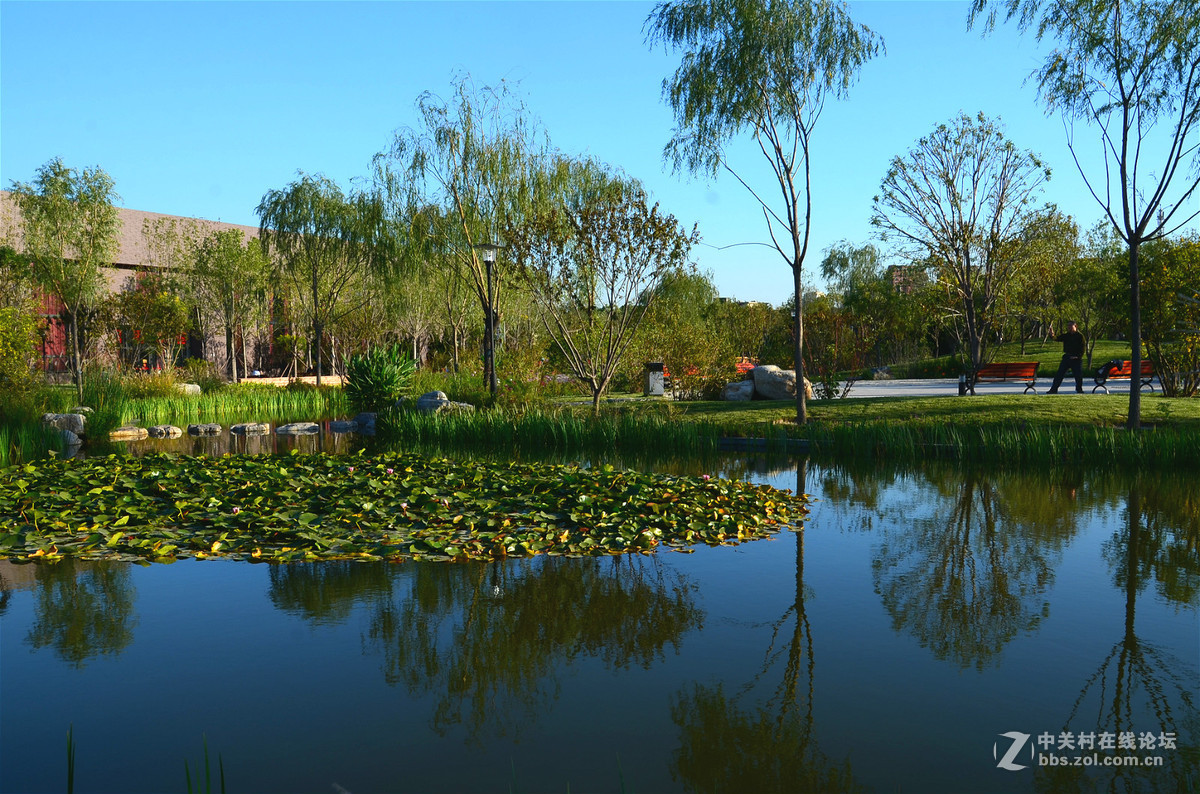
[{"x": 948, "y": 387}]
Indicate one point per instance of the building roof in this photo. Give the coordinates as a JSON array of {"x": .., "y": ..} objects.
[{"x": 133, "y": 250}]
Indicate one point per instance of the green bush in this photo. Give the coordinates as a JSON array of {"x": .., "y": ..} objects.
[
  {"x": 141, "y": 385},
  {"x": 203, "y": 373},
  {"x": 17, "y": 346},
  {"x": 376, "y": 379}
]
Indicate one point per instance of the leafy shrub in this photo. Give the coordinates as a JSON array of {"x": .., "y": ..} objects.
[
  {"x": 140, "y": 385},
  {"x": 17, "y": 346},
  {"x": 376, "y": 379},
  {"x": 203, "y": 373}
]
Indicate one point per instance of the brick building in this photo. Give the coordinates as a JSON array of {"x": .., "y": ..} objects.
[{"x": 135, "y": 254}]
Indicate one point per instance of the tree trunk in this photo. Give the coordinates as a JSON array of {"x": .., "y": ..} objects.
[
  {"x": 231, "y": 354},
  {"x": 1135, "y": 337},
  {"x": 798, "y": 349},
  {"x": 77, "y": 363},
  {"x": 318, "y": 330}
]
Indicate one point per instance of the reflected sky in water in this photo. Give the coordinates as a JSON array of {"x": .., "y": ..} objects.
[{"x": 920, "y": 614}]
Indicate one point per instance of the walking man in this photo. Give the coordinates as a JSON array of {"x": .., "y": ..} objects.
[{"x": 1073, "y": 345}]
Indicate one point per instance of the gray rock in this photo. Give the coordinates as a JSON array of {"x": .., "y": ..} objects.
[
  {"x": 165, "y": 431},
  {"x": 128, "y": 434},
  {"x": 298, "y": 428},
  {"x": 437, "y": 402},
  {"x": 211, "y": 429},
  {"x": 742, "y": 390},
  {"x": 73, "y": 422},
  {"x": 433, "y": 401},
  {"x": 343, "y": 426},
  {"x": 366, "y": 422},
  {"x": 881, "y": 373},
  {"x": 188, "y": 388},
  {"x": 773, "y": 383},
  {"x": 250, "y": 429},
  {"x": 82, "y": 409}
]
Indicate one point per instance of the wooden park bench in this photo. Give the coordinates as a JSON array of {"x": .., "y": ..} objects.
[
  {"x": 1124, "y": 372},
  {"x": 1020, "y": 371}
]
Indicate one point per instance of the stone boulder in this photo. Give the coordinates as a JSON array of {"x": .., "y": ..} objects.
[
  {"x": 128, "y": 433},
  {"x": 210, "y": 429},
  {"x": 75, "y": 423},
  {"x": 365, "y": 422},
  {"x": 773, "y": 383},
  {"x": 742, "y": 390},
  {"x": 189, "y": 389},
  {"x": 298, "y": 429},
  {"x": 343, "y": 426},
  {"x": 434, "y": 402},
  {"x": 164, "y": 431},
  {"x": 250, "y": 429}
]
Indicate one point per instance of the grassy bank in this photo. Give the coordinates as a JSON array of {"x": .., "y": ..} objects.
[{"x": 1006, "y": 429}]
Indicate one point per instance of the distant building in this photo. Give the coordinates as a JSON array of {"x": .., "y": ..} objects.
[
  {"x": 908, "y": 278},
  {"x": 133, "y": 256},
  {"x": 737, "y": 302}
]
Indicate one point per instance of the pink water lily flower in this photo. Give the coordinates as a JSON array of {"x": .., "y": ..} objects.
[
  {"x": 705, "y": 477},
  {"x": 350, "y": 469},
  {"x": 389, "y": 471},
  {"x": 237, "y": 510}
]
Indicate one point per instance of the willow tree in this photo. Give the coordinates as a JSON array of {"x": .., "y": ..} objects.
[
  {"x": 324, "y": 243},
  {"x": 592, "y": 263},
  {"x": 229, "y": 279},
  {"x": 474, "y": 167},
  {"x": 763, "y": 69},
  {"x": 1130, "y": 70},
  {"x": 69, "y": 229},
  {"x": 961, "y": 198}
]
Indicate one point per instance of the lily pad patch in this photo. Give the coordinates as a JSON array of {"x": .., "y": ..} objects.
[{"x": 380, "y": 507}]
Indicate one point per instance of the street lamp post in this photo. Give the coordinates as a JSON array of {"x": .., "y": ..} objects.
[{"x": 488, "y": 251}]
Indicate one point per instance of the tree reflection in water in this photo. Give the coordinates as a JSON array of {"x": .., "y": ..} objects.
[
  {"x": 326, "y": 592},
  {"x": 487, "y": 640},
  {"x": 734, "y": 744},
  {"x": 83, "y": 609},
  {"x": 968, "y": 573},
  {"x": 1159, "y": 542}
]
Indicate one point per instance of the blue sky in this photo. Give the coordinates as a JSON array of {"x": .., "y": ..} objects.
[{"x": 199, "y": 108}]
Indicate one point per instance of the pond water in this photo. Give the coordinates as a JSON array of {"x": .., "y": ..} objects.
[
  {"x": 229, "y": 443},
  {"x": 929, "y": 630}
]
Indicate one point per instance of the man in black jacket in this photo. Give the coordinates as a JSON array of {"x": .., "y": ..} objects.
[{"x": 1073, "y": 345}]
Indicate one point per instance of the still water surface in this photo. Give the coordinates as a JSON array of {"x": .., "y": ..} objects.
[{"x": 921, "y": 615}]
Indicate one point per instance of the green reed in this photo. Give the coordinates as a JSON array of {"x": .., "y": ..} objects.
[
  {"x": 545, "y": 429},
  {"x": 1010, "y": 444},
  {"x": 243, "y": 402}
]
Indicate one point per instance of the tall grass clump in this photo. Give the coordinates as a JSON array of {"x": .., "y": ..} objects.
[
  {"x": 375, "y": 379},
  {"x": 242, "y": 402},
  {"x": 1010, "y": 444},
  {"x": 540, "y": 429},
  {"x": 105, "y": 393},
  {"x": 23, "y": 437}
]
